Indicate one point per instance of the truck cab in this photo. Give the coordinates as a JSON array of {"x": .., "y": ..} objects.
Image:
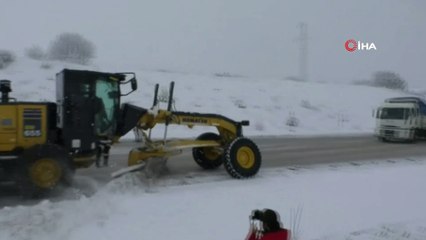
[
  {"x": 401, "y": 118},
  {"x": 397, "y": 121}
]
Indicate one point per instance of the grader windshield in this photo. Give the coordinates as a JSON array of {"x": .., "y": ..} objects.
[{"x": 107, "y": 105}]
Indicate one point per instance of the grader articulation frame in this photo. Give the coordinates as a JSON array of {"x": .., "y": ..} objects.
[{"x": 240, "y": 156}]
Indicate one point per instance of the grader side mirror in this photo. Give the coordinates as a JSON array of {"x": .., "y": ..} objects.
[
  {"x": 132, "y": 81},
  {"x": 134, "y": 84}
]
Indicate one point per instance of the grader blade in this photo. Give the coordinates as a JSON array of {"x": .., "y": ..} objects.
[{"x": 126, "y": 170}]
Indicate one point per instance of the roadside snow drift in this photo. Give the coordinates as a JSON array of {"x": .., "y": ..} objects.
[{"x": 334, "y": 200}]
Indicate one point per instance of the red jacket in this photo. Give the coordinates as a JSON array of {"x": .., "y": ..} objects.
[{"x": 282, "y": 234}]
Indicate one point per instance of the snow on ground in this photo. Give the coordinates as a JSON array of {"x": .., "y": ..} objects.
[
  {"x": 320, "y": 108},
  {"x": 375, "y": 200}
]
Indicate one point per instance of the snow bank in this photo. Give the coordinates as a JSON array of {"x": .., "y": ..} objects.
[{"x": 335, "y": 200}]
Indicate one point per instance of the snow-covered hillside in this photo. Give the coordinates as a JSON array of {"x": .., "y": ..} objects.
[{"x": 269, "y": 104}]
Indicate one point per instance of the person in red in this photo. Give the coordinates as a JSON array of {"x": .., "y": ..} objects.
[{"x": 270, "y": 227}]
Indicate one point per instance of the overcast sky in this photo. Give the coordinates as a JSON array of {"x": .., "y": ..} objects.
[{"x": 249, "y": 37}]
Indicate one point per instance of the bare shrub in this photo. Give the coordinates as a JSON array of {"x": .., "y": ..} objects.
[
  {"x": 389, "y": 80},
  {"x": 240, "y": 103},
  {"x": 163, "y": 97},
  {"x": 306, "y": 104},
  {"x": 292, "y": 120},
  {"x": 228, "y": 75},
  {"x": 6, "y": 58},
  {"x": 72, "y": 47},
  {"x": 35, "y": 52},
  {"x": 45, "y": 66}
]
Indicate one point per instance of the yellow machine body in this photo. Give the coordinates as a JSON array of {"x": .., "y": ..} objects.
[
  {"x": 239, "y": 155},
  {"x": 227, "y": 128},
  {"x": 22, "y": 125}
]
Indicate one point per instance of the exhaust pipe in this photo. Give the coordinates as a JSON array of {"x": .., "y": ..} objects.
[{"x": 5, "y": 89}]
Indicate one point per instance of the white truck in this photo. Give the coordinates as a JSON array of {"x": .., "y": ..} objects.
[{"x": 402, "y": 118}]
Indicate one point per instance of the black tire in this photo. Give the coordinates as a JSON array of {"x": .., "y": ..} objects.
[
  {"x": 242, "y": 158},
  {"x": 208, "y": 157},
  {"x": 43, "y": 168}
]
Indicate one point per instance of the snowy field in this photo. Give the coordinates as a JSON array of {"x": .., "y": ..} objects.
[
  {"x": 269, "y": 104},
  {"x": 373, "y": 200}
]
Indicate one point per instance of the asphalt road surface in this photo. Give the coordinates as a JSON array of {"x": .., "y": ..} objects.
[
  {"x": 282, "y": 152},
  {"x": 276, "y": 152}
]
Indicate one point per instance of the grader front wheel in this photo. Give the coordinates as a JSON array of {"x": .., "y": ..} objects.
[
  {"x": 208, "y": 157},
  {"x": 242, "y": 158}
]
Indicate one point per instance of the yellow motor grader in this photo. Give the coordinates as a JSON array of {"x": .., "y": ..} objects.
[{"x": 42, "y": 143}]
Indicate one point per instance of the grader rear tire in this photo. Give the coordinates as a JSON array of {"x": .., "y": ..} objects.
[
  {"x": 208, "y": 157},
  {"x": 42, "y": 169},
  {"x": 242, "y": 158}
]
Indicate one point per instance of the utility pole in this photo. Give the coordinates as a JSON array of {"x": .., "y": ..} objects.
[{"x": 303, "y": 52}]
